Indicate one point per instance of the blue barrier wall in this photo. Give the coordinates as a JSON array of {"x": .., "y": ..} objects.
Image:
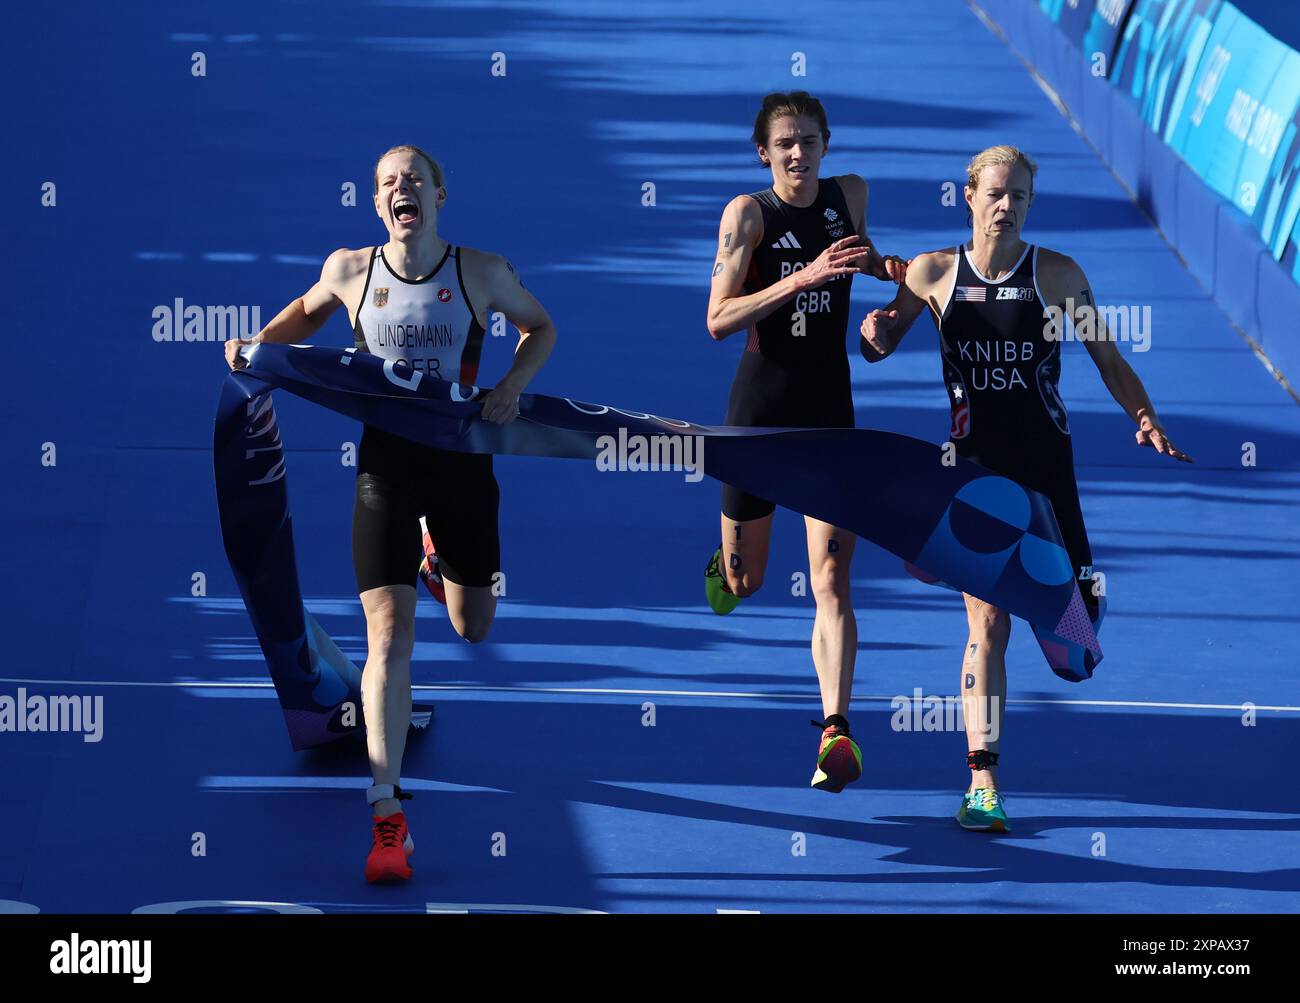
[{"x": 1196, "y": 107}]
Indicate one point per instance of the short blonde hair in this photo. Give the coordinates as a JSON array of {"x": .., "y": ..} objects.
[
  {"x": 999, "y": 156},
  {"x": 435, "y": 169}
]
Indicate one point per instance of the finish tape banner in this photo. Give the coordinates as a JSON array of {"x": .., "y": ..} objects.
[{"x": 962, "y": 525}]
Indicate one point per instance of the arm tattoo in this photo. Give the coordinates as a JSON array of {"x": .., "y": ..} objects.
[
  {"x": 726, "y": 242},
  {"x": 717, "y": 268}
]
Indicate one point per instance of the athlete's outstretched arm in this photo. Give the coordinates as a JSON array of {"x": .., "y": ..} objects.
[
  {"x": 304, "y": 316},
  {"x": 507, "y": 295},
  {"x": 1061, "y": 280},
  {"x": 730, "y": 309}
]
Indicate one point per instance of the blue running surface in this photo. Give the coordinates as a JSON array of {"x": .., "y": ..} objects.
[{"x": 630, "y": 750}]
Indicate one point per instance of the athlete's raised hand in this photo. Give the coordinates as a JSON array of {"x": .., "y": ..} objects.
[
  {"x": 842, "y": 258},
  {"x": 1152, "y": 434},
  {"x": 501, "y": 404}
]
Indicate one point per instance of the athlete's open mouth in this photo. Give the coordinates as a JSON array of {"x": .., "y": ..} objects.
[{"x": 405, "y": 210}]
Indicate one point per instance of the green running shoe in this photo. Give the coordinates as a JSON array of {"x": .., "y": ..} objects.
[
  {"x": 721, "y": 599},
  {"x": 981, "y": 810},
  {"x": 839, "y": 760}
]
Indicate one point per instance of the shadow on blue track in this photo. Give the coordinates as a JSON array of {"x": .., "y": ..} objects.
[{"x": 1142, "y": 761}]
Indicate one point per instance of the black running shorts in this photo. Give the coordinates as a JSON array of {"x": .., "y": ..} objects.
[
  {"x": 764, "y": 395},
  {"x": 397, "y": 482}
]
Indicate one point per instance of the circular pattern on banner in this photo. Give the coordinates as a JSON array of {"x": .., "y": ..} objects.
[
  {"x": 999, "y": 497},
  {"x": 989, "y": 515},
  {"x": 1044, "y": 561}
]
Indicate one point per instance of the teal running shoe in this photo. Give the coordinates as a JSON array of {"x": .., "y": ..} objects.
[
  {"x": 981, "y": 811},
  {"x": 721, "y": 599}
]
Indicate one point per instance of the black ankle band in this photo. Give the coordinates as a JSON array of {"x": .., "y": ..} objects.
[
  {"x": 981, "y": 759},
  {"x": 834, "y": 721}
]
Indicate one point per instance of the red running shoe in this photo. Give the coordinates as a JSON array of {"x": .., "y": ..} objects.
[
  {"x": 429, "y": 572},
  {"x": 392, "y": 845}
]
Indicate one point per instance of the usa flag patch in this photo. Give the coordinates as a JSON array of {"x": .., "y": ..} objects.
[{"x": 971, "y": 294}]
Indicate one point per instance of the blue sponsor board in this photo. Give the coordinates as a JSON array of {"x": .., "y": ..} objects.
[
  {"x": 1236, "y": 110},
  {"x": 1160, "y": 50},
  {"x": 1280, "y": 18},
  {"x": 1103, "y": 30},
  {"x": 1092, "y": 25},
  {"x": 1072, "y": 16},
  {"x": 1278, "y": 213}
]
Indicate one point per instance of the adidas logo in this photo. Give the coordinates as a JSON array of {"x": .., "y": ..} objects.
[{"x": 787, "y": 241}]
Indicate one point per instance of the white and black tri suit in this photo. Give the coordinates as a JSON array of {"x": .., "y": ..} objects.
[{"x": 430, "y": 324}]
